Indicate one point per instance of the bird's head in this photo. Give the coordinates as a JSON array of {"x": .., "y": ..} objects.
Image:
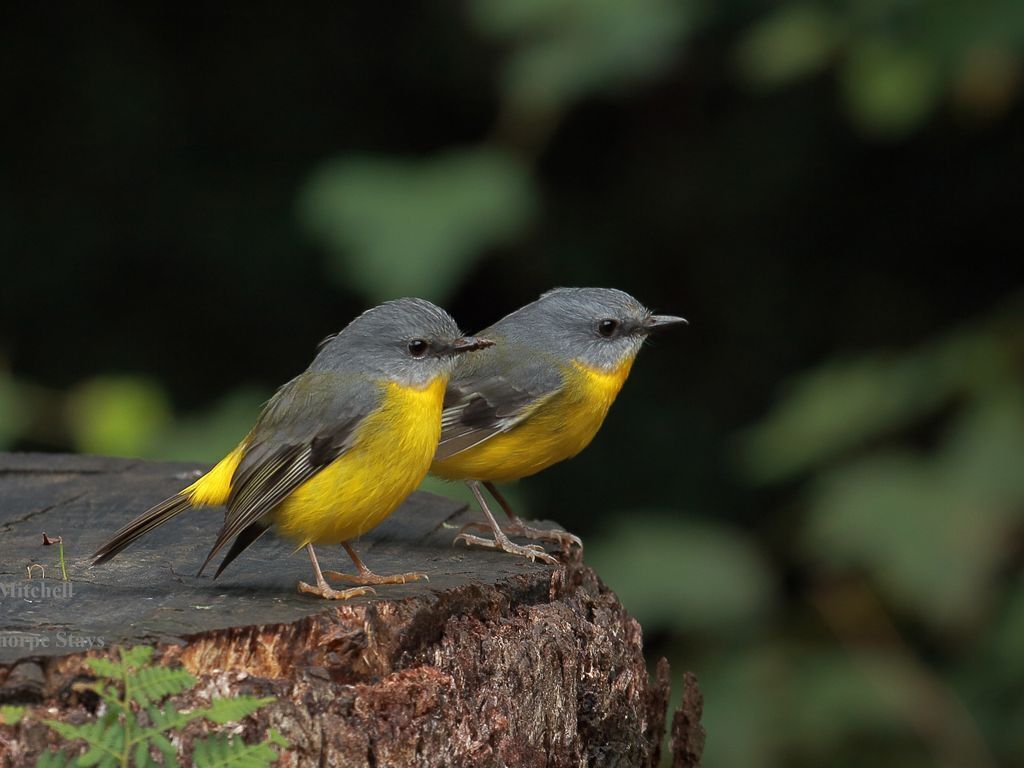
[{"x": 410, "y": 341}]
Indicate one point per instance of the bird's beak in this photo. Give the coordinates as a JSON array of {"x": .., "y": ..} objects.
[
  {"x": 465, "y": 344},
  {"x": 657, "y": 322}
]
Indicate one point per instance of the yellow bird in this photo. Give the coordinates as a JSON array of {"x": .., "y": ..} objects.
[
  {"x": 538, "y": 397},
  {"x": 337, "y": 448}
]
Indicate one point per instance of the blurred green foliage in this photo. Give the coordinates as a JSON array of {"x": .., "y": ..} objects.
[
  {"x": 210, "y": 434},
  {"x": 417, "y": 226},
  {"x": 559, "y": 51},
  {"x": 837, "y": 558},
  {"x": 911, "y": 493},
  {"x": 414, "y": 228},
  {"x": 896, "y": 61},
  {"x": 119, "y": 416},
  {"x": 959, "y": 501},
  {"x": 689, "y": 575},
  {"x": 13, "y": 411}
]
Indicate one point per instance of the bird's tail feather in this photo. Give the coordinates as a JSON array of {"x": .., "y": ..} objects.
[{"x": 141, "y": 525}]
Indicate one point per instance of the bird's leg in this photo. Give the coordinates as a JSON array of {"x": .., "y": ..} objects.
[
  {"x": 322, "y": 589},
  {"x": 500, "y": 540},
  {"x": 518, "y": 528},
  {"x": 366, "y": 576}
]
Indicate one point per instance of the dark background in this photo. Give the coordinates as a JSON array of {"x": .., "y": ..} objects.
[{"x": 812, "y": 496}]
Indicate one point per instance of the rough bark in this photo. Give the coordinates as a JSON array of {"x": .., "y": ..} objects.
[
  {"x": 686, "y": 739},
  {"x": 495, "y": 661}
]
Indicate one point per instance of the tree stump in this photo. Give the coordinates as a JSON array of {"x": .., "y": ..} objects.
[{"x": 494, "y": 661}]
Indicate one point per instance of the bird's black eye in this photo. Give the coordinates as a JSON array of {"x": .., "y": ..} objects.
[
  {"x": 607, "y": 327},
  {"x": 418, "y": 347}
]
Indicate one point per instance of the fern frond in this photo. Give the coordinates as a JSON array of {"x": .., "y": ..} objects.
[
  {"x": 223, "y": 711},
  {"x": 164, "y": 747},
  {"x": 167, "y": 718},
  {"x": 225, "y": 752},
  {"x": 151, "y": 684},
  {"x": 93, "y": 757},
  {"x": 105, "y": 668},
  {"x": 137, "y": 656},
  {"x": 99, "y": 734},
  {"x": 118, "y": 739},
  {"x": 50, "y": 759},
  {"x": 118, "y": 734},
  {"x": 143, "y": 759},
  {"x": 109, "y": 694}
]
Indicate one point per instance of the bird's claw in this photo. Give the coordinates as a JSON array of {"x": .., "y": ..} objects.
[
  {"x": 562, "y": 538},
  {"x": 324, "y": 591},
  {"x": 530, "y": 551},
  {"x": 373, "y": 578}
]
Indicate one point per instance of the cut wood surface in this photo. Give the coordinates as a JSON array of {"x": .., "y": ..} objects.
[{"x": 494, "y": 661}]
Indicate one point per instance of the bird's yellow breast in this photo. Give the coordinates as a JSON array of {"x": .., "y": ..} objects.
[
  {"x": 389, "y": 457},
  {"x": 558, "y": 429}
]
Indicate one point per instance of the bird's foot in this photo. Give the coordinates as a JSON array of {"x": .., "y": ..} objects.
[
  {"x": 563, "y": 538},
  {"x": 323, "y": 590},
  {"x": 369, "y": 577},
  {"x": 501, "y": 542}
]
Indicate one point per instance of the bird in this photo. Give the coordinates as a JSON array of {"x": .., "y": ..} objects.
[
  {"x": 538, "y": 396},
  {"x": 335, "y": 450}
]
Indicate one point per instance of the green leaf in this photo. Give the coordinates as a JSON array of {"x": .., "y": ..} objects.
[
  {"x": 234, "y": 709},
  {"x": 117, "y": 415},
  {"x": 91, "y": 758},
  {"x": 690, "y": 575},
  {"x": 105, "y": 734},
  {"x": 136, "y": 656},
  {"x": 864, "y": 514},
  {"x": 164, "y": 745},
  {"x": 989, "y": 677},
  {"x": 115, "y": 737},
  {"x": 150, "y": 684},
  {"x": 1004, "y": 642},
  {"x": 274, "y": 737},
  {"x": 210, "y": 435},
  {"x": 415, "y": 227},
  {"x": 563, "y": 50},
  {"x": 11, "y": 715},
  {"x": 844, "y": 403},
  {"x": 103, "y": 737},
  {"x": 69, "y": 731},
  {"x": 223, "y": 752},
  {"x": 889, "y": 88},
  {"x": 141, "y": 756},
  {"x": 49, "y": 759},
  {"x": 776, "y": 700},
  {"x": 981, "y": 454},
  {"x": 168, "y": 718},
  {"x": 837, "y": 695},
  {"x": 794, "y": 41},
  {"x": 105, "y": 668}
]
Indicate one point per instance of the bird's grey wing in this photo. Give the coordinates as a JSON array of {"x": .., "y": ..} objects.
[
  {"x": 492, "y": 397},
  {"x": 306, "y": 425}
]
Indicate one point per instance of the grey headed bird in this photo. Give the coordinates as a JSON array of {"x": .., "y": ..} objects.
[
  {"x": 538, "y": 397},
  {"x": 337, "y": 448}
]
